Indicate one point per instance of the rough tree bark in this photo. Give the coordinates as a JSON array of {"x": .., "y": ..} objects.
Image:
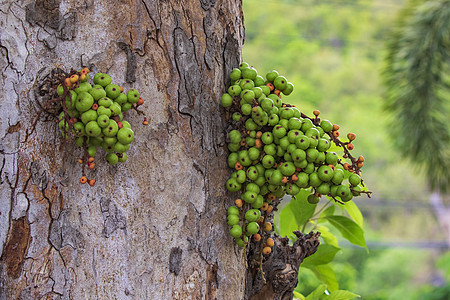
[{"x": 154, "y": 227}]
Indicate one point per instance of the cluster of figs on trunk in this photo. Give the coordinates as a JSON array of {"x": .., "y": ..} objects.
[
  {"x": 93, "y": 117},
  {"x": 276, "y": 150}
]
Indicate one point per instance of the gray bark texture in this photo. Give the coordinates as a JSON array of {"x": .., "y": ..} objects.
[{"x": 155, "y": 226}]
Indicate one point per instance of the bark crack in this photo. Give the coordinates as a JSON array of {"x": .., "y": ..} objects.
[{"x": 10, "y": 62}]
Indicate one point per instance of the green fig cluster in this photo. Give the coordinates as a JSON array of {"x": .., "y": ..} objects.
[
  {"x": 93, "y": 115},
  {"x": 276, "y": 150}
]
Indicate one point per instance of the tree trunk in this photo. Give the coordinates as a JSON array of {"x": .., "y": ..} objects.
[{"x": 155, "y": 226}]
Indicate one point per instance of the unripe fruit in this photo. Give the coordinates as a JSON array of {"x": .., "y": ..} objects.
[
  {"x": 307, "y": 124},
  {"x": 331, "y": 158},
  {"x": 293, "y": 135},
  {"x": 267, "y": 104},
  {"x": 267, "y": 138},
  {"x": 125, "y": 135},
  {"x": 92, "y": 129},
  {"x": 111, "y": 129},
  {"x": 252, "y": 215},
  {"x": 302, "y": 142},
  {"x": 233, "y": 220},
  {"x": 280, "y": 83},
  {"x": 132, "y": 96},
  {"x": 233, "y": 210},
  {"x": 84, "y": 102},
  {"x": 235, "y": 74},
  {"x": 272, "y": 75},
  {"x": 126, "y": 107},
  {"x": 313, "y": 199},
  {"x": 92, "y": 151},
  {"x": 298, "y": 155},
  {"x": 258, "y": 203},
  {"x": 248, "y": 96},
  {"x": 234, "y": 90},
  {"x": 287, "y": 168},
  {"x": 325, "y": 173},
  {"x": 237, "y": 116},
  {"x": 102, "y": 79},
  {"x": 250, "y": 124},
  {"x": 286, "y": 113},
  {"x": 326, "y": 125},
  {"x": 251, "y": 228},
  {"x": 303, "y": 180},
  {"x": 112, "y": 158},
  {"x": 343, "y": 191},
  {"x": 288, "y": 89},
  {"x": 113, "y": 91},
  {"x": 323, "y": 189},
  {"x": 268, "y": 161},
  {"x": 279, "y": 131},
  {"x": 311, "y": 154},
  {"x": 292, "y": 189},
  {"x": 294, "y": 123},
  {"x": 236, "y": 231},
  {"x": 338, "y": 176},
  {"x": 226, "y": 100},
  {"x": 122, "y": 157},
  {"x": 354, "y": 179},
  {"x": 241, "y": 176},
  {"x": 89, "y": 115},
  {"x": 249, "y": 196},
  {"x": 314, "y": 179},
  {"x": 323, "y": 145}
]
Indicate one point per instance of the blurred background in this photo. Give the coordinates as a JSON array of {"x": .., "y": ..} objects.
[{"x": 350, "y": 60}]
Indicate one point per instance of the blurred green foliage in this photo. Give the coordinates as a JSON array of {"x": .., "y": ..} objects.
[{"x": 416, "y": 75}]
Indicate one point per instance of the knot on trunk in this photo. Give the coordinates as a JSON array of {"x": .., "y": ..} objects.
[{"x": 280, "y": 268}]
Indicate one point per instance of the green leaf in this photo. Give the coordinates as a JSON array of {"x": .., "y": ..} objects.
[
  {"x": 340, "y": 295},
  {"x": 329, "y": 211},
  {"x": 354, "y": 212},
  {"x": 335, "y": 148},
  {"x": 287, "y": 221},
  {"x": 325, "y": 253},
  {"x": 317, "y": 292},
  {"x": 327, "y": 236},
  {"x": 349, "y": 230},
  {"x": 301, "y": 208},
  {"x": 297, "y": 295},
  {"x": 325, "y": 274}
]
